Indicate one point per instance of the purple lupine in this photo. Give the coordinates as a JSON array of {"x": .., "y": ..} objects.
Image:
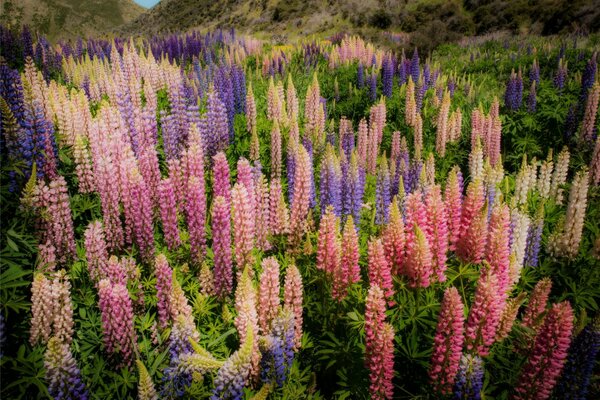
[
  {"x": 561, "y": 75},
  {"x": 382, "y": 193},
  {"x": 387, "y": 76},
  {"x": 420, "y": 95},
  {"x": 513, "y": 95},
  {"x": 221, "y": 184},
  {"x": 534, "y": 239},
  {"x": 575, "y": 379},
  {"x": 415, "y": 71},
  {"x": 353, "y": 184},
  {"x": 360, "y": 79},
  {"x": 62, "y": 374},
  {"x": 330, "y": 183},
  {"x": 588, "y": 78},
  {"x": 571, "y": 122},
  {"x": 534, "y": 73},
  {"x": 469, "y": 380},
  {"x": 532, "y": 98},
  {"x": 215, "y": 128},
  {"x": 277, "y": 350}
]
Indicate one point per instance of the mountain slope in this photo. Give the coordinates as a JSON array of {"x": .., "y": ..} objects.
[{"x": 69, "y": 18}]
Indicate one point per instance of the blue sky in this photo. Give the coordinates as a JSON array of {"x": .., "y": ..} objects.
[{"x": 146, "y": 3}]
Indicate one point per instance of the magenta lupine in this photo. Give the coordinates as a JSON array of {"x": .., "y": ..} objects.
[
  {"x": 471, "y": 213},
  {"x": 329, "y": 245},
  {"x": 394, "y": 240},
  {"x": 221, "y": 238},
  {"x": 349, "y": 270},
  {"x": 533, "y": 317},
  {"x": 164, "y": 275},
  {"x": 379, "y": 346},
  {"x": 177, "y": 176},
  {"x": 379, "y": 270},
  {"x": 117, "y": 320},
  {"x": 498, "y": 246},
  {"x": 292, "y": 300},
  {"x": 195, "y": 208},
  {"x": 242, "y": 215},
  {"x": 150, "y": 170},
  {"x": 302, "y": 189},
  {"x": 221, "y": 184},
  {"x": 278, "y": 211},
  {"x": 546, "y": 360},
  {"x": 418, "y": 264},
  {"x": 453, "y": 201},
  {"x": 484, "y": 315},
  {"x": 245, "y": 177},
  {"x": 268, "y": 295},
  {"x": 95, "y": 249},
  {"x": 448, "y": 342},
  {"x": 437, "y": 230},
  {"x": 168, "y": 213}
]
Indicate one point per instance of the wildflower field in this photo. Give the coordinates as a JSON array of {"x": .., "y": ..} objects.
[{"x": 207, "y": 215}]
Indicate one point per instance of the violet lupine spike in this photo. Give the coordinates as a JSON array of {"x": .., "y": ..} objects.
[
  {"x": 330, "y": 183},
  {"x": 382, "y": 193},
  {"x": 534, "y": 242},
  {"x": 62, "y": 374},
  {"x": 221, "y": 183},
  {"x": 469, "y": 380}
]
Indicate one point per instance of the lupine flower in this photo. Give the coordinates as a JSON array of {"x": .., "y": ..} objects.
[
  {"x": 221, "y": 185},
  {"x": 268, "y": 301},
  {"x": 353, "y": 185},
  {"x": 95, "y": 249},
  {"x": 330, "y": 183},
  {"x": 348, "y": 271},
  {"x": 164, "y": 275},
  {"x": 221, "y": 231},
  {"x": 588, "y": 77},
  {"x": 418, "y": 263},
  {"x": 575, "y": 379},
  {"x": 292, "y": 300},
  {"x": 545, "y": 179},
  {"x": 595, "y": 164},
  {"x": 546, "y": 360},
  {"x": 379, "y": 270},
  {"x": 514, "y": 91},
  {"x": 62, "y": 314},
  {"x": 394, "y": 240},
  {"x": 589, "y": 116},
  {"x": 62, "y": 374},
  {"x": 534, "y": 313},
  {"x": 414, "y": 66},
  {"x": 410, "y": 108},
  {"x": 448, "y": 341},
  {"x": 196, "y": 363},
  {"x": 233, "y": 376},
  {"x": 534, "y": 239},
  {"x": 437, "y": 230},
  {"x": 559, "y": 176},
  {"x": 117, "y": 319},
  {"x": 302, "y": 191},
  {"x": 275, "y": 151},
  {"x": 83, "y": 166},
  {"x": 42, "y": 309},
  {"x": 532, "y": 98},
  {"x": 453, "y": 202},
  {"x": 245, "y": 305},
  {"x": 442, "y": 134},
  {"x": 329, "y": 245},
  {"x": 250, "y": 110},
  {"x": 469, "y": 380},
  {"x": 561, "y": 74},
  {"x": 498, "y": 246},
  {"x": 278, "y": 350},
  {"x": 139, "y": 206},
  {"x": 278, "y": 211},
  {"x": 146, "y": 389},
  {"x": 216, "y": 130},
  {"x": 168, "y": 213},
  {"x": 469, "y": 229},
  {"x": 484, "y": 314},
  {"x": 196, "y": 216},
  {"x": 109, "y": 198},
  {"x": 243, "y": 219},
  {"x": 509, "y": 315},
  {"x": 379, "y": 348},
  {"x": 382, "y": 193}
]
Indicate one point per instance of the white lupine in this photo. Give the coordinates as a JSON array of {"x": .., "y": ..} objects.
[
  {"x": 520, "y": 227},
  {"x": 545, "y": 179},
  {"x": 559, "y": 177}
]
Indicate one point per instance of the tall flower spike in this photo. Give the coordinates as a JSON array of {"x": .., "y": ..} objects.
[
  {"x": 471, "y": 219},
  {"x": 168, "y": 213},
  {"x": 278, "y": 211},
  {"x": 394, "y": 240},
  {"x": 250, "y": 110},
  {"x": 520, "y": 227},
  {"x": 546, "y": 360},
  {"x": 535, "y": 312},
  {"x": 95, "y": 249},
  {"x": 379, "y": 270},
  {"x": 292, "y": 300},
  {"x": 484, "y": 314},
  {"x": 330, "y": 183},
  {"x": 437, "y": 230},
  {"x": 221, "y": 231},
  {"x": 509, "y": 315},
  {"x": 62, "y": 323},
  {"x": 448, "y": 342},
  {"x": 328, "y": 245},
  {"x": 498, "y": 246},
  {"x": 275, "y": 151},
  {"x": 302, "y": 190},
  {"x": 146, "y": 389},
  {"x": 42, "y": 309},
  {"x": 268, "y": 304},
  {"x": 453, "y": 200},
  {"x": 164, "y": 274},
  {"x": 382, "y": 193},
  {"x": 245, "y": 306},
  {"x": 349, "y": 270},
  {"x": 62, "y": 374},
  {"x": 221, "y": 184},
  {"x": 196, "y": 216},
  {"x": 243, "y": 217},
  {"x": 559, "y": 177}
]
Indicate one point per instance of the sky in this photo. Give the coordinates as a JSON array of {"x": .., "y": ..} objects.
[{"x": 146, "y": 3}]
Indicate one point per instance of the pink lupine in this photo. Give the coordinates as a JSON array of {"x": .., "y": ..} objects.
[
  {"x": 494, "y": 133},
  {"x": 108, "y": 189},
  {"x": 278, "y": 211},
  {"x": 471, "y": 213},
  {"x": 168, "y": 213},
  {"x": 262, "y": 211},
  {"x": 177, "y": 176},
  {"x": 302, "y": 189},
  {"x": 242, "y": 215},
  {"x": 221, "y": 184},
  {"x": 62, "y": 323},
  {"x": 95, "y": 249},
  {"x": 275, "y": 151},
  {"x": 164, "y": 274},
  {"x": 329, "y": 245},
  {"x": 379, "y": 346},
  {"x": 291, "y": 98},
  {"x": 245, "y": 176},
  {"x": 349, "y": 270},
  {"x": 150, "y": 170},
  {"x": 117, "y": 320},
  {"x": 484, "y": 314},
  {"x": 546, "y": 360},
  {"x": 508, "y": 317},
  {"x": 195, "y": 208},
  {"x": 221, "y": 235},
  {"x": 437, "y": 230},
  {"x": 379, "y": 270},
  {"x": 268, "y": 295},
  {"x": 418, "y": 264},
  {"x": 193, "y": 157},
  {"x": 83, "y": 166},
  {"x": 453, "y": 201},
  {"x": 363, "y": 143},
  {"x": 250, "y": 110},
  {"x": 114, "y": 271},
  {"x": 595, "y": 164},
  {"x": 533, "y": 317},
  {"x": 473, "y": 244},
  {"x": 448, "y": 342},
  {"x": 42, "y": 309},
  {"x": 394, "y": 240},
  {"x": 418, "y": 136},
  {"x": 46, "y": 257},
  {"x": 139, "y": 203},
  {"x": 292, "y": 300},
  {"x": 245, "y": 306},
  {"x": 498, "y": 245},
  {"x": 591, "y": 110},
  {"x": 395, "y": 151},
  {"x": 180, "y": 307}
]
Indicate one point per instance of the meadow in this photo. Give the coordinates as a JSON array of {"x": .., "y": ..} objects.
[{"x": 209, "y": 215}]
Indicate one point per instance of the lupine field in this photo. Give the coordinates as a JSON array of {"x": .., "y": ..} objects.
[{"x": 209, "y": 215}]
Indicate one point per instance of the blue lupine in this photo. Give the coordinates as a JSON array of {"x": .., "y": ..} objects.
[
  {"x": 291, "y": 172},
  {"x": 415, "y": 70},
  {"x": 575, "y": 379},
  {"x": 27, "y": 42},
  {"x": 387, "y": 76},
  {"x": 513, "y": 95},
  {"x": 382, "y": 193},
  {"x": 469, "y": 380},
  {"x": 174, "y": 381},
  {"x": 587, "y": 79},
  {"x": 534, "y": 73},
  {"x": 62, "y": 373},
  {"x": 353, "y": 186},
  {"x": 532, "y": 98},
  {"x": 403, "y": 70},
  {"x": 330, "y": 183},
  {"x": 534, "y": 239},
  {"x": 360, "y": 79},
  {"x": 373, "y": 86},
  {"x": 561, "y": 75}
]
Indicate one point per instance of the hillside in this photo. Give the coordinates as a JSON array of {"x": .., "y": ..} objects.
[
  {"x": 69, "y": 18},
  {"x": 430, "y": 21}
]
